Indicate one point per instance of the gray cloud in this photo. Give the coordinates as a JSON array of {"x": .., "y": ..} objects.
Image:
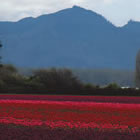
[{"x": 118, "y": 12}]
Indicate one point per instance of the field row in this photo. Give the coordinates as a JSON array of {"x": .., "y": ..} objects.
[
  {"x": 99, "y": 113},
  {"x": 104, "y": 99},
  {"x": 18, "y": 132},
  {"x": 68, "y": 120}
]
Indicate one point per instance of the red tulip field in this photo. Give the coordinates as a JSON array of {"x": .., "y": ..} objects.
[{"x": 26, "y": 117}]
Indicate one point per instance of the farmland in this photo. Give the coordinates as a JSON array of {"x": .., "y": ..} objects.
[{"x": 69, "y": 117}]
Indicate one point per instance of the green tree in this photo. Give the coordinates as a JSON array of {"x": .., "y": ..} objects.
[
  {"x": 137, "y": 71},
  {"x": 1, "y": 56},
  {"x": 10, "y": 78}
]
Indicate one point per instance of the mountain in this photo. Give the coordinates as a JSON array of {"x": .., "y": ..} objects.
[{"x": 74, "y": 37}]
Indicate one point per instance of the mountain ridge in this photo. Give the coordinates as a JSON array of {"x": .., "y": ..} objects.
[
  {"x": 75, "y": 6},
  {"x": 73, "y": 37}
]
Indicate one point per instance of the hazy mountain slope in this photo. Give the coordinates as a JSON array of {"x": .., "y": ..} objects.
[
  {"x": 73, "y": 37},
  {"x": 104, "y": 77}
]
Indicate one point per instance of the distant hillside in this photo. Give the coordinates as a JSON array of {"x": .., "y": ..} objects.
[
  {"x": 74, "y": 37},
  {"x": 100, "y": 77},
  {"x": 104, "y": 77}
]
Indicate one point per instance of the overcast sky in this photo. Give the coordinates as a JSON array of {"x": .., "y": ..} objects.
[{"x": 118, "y": 12}]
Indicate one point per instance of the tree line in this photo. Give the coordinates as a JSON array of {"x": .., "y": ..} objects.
[{"x": 54, "y": 81}]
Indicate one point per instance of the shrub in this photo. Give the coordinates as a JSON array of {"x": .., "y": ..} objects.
[
  {"x": 113, "y": 86},
  {"x": 89, "y": 86}
]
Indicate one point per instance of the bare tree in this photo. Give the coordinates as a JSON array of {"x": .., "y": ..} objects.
[
  {"x": 137, "y": 71},
  {"x": 57, "y": 78},
  {"x": 1, "y": 56},
  {"x": 0, "y": 44}
]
